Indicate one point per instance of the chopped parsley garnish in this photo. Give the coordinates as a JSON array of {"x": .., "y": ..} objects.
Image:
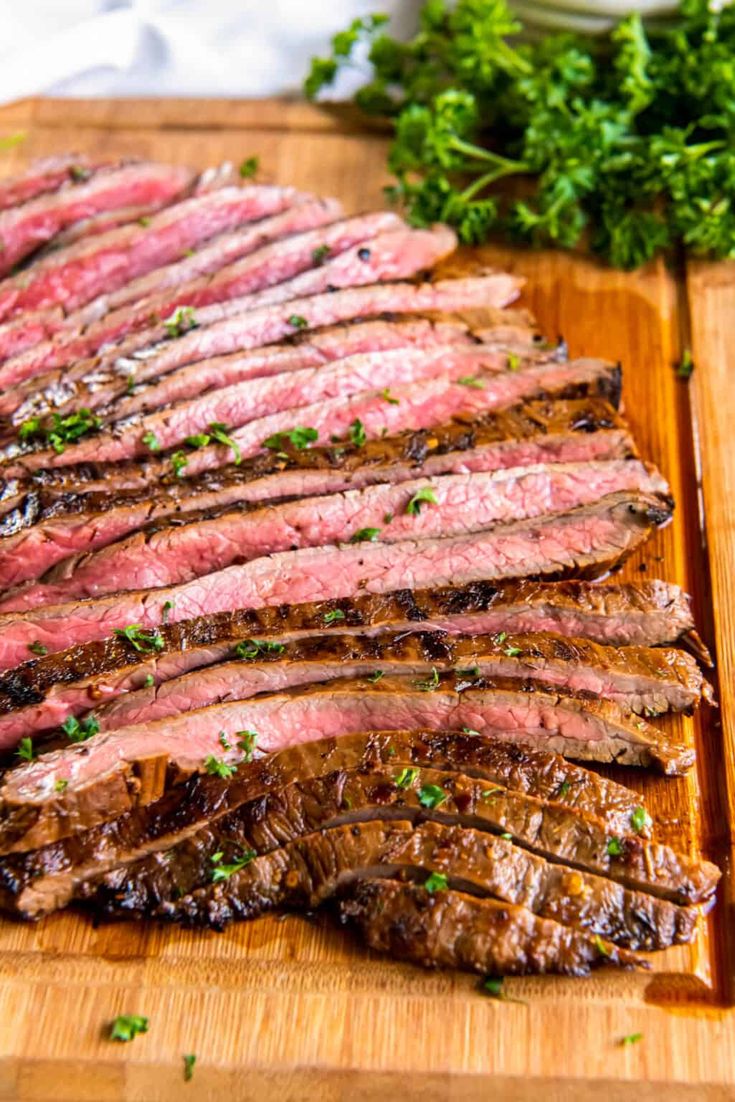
[
  {"x": 144, "y": 221},
  {"x": 334, "y": 616},
  {"x": 59, "y": 431},
  {"x": 255, "y": 648},
  {"x": 247, "y": 741},
  {"x": 300, "y": 437},
  {"x": 141, "y": 639},
  {"x": 489, "y": 793},
  {"x": 601, "y": 947},
  {"x": 61, "y": 785},
  {"x": 298, "y": 322},
  {"x": 166, "y": 611},
  {"x": 471, "y": 381},
  {"x": 500, "y": 638},
  {"x": 197, "y": 440},
  {"x": 423, "y": 496},
  {"x": 514, "y": 361},
  {"x": 128, "y": 1026},
  {"x": 320, "y": 254},
  {"x": 470, "y": 731},
  {"x": 436, "y": 882},
  {"x": 223, "y": 741},
  {"x": 25, "y": 749},
  {"x": 506, "y": 836},
  {"x": 630, "y": 1039},
  {"x": 406, "y": 777},
  {"x": 470, "y": 671},
  {"x": 189, "y": 1062},
  {"x": 37, "y": 648},
  {"x": 218, "y": 432},
  {"x": 493, "y": 986},
  {"x": 79, "y": 730},
  {"x": 431, "y": 683},
  {"x": 130, "y": 383},
  {"x": 640, "y": 820},
  {"x": 375, "y": 677},
  {"x": 249, "y": 167},
  {"x": 512, "y": 652},
  {"x": 615, "y": 847},
  {"x": 356, "y": 433},
  {"x": 149, "y": 680},
  {"x": 365, "y": 535},
  {"x": 685, "y": 367},
  {"x": 388, "y": 397},
  {"x": 218, "y": 768},
  {"x": 79, "y": 173},
  {"x": 224, "y": 872},
  {"x": 181, "y": 321},
  {"x": 151, "y": 442},
  {"x": 563, "y": 789},
  {"x": 387, "y": 518},
  {"x": 431, "y": 795},
  {"x": 179, "y": 461}
]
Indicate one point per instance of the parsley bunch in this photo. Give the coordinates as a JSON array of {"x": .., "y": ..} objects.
[{"x": 626, "y": 142}]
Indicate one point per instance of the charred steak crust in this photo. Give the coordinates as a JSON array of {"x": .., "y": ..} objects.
[
  {"x": 451, "y": 929},
  {"x": 67, "y": 858}
]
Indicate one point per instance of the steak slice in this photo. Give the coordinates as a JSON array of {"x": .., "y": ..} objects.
[
  {"x": 49, "y": 524},
  {"x": 525, "y": 715},
  {"x": 256, "y": 399},
  {"x": 173, "y": 553},
  {"x": 451, "y": 929},
  {"x": 23, "y": 229},
  {"x": 94, "y": 383},
  {"x": 83, "y": 332},
  {"x": 645, "y": 680},
  {"x": 304, "y": 873},
  {"x": 587, "y": 540},
  {"x": 42, "y": 692},
  {"x": 76, "y": 844},
  {"x": 43, "y": 176},
  {"x": 410, "y": 406}
]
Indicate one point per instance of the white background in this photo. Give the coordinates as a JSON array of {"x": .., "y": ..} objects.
[{"x": 171, "y": 47}]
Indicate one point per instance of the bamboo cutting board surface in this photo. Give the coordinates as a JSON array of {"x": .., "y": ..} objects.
[{"x": 295, "y": 1009}]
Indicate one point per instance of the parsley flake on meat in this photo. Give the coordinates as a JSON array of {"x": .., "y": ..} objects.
[
  {"x": 406, "y": 777},
  {"x": 179, "y": 461},
  {"x": 431, "y": 795},
  {"x": 365, "y": 535},
  {"x": 249, "y": 167},
  {"x": 218, "y": 768},
  {"x": 298, "y": 322},
  {"x": 58, "y": 431},
  {"x": 640, "y": 820},
  {"x": 189, "y": 1062},
  {"x": 320, "y": 254},
  {"x": 222, "y": 872},
  {"x": 141, "y": 639},
  {"x": 334, "y": 616},
  {"x": 79, "y": 730},
  {"x": 431, "y": 683},
  {"x": 25, "y": 749},
  {"x": 247, "y": 742},
  {"x": 425, "y": 496},
  {"x": 256, "y": 648},
  {"x": 300, "y": 437},
  {"x": 37, "y": 648},
  {"x": 181, "y": 321},
  {"x": 356, "y": 433},
  {"x": 436, "y": 882},
  {"x": 151, "y": 442}
]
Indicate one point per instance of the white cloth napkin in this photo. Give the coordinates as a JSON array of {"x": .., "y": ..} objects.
[{"x": 171, "y": 47}]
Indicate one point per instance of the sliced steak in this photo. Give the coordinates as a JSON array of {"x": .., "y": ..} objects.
[
  {"x": 646, "y": 680},
  {"x": 47, "y": 525},
  {"x": 107, "y": 261},
  {"x": 25, "y": 228},
  {"x": 451, "y": 929},
  {"x": 387, "y": 411},
  {"x": 43, "y": 176},
  {"x": 174, "y": 553},
  {"x": 588, "y": 540},
  {"x": 94, "y": 383},
  {"x": 255, "y": 399},
  {"x": 76, "y": 843},
  {"x": 84, "y": 331},
  {"x": 302, "y": 874},
  {"x": 42, "y": 692},
  {"x": 524, "y": 715}
]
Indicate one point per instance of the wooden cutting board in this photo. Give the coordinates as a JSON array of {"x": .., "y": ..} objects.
[{"x": 295, "y": 1009}]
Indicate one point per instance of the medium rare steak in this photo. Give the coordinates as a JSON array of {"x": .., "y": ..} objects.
[
  {"x": 94, "y": 383},
  {"x": 44, "y": 176},
  {"x": 172, "y": 553},
  {"x": 524, "y": 715},
  {"x": 453, "y": 930},
  {"x": 25, "y": 228},
  {"x": 83, "y": 332},
  {"x": 302, "y": 874},
  {"x": 587, "y": 540},
  {"x": 48, "y": 524},
  {"x": 44, "y": 691},
  {"x": 45, "y": 878}
]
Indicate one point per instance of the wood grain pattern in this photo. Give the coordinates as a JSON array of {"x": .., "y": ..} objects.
[{"x": 295, "y": 1010}]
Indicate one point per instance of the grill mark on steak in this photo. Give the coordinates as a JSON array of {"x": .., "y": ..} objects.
[
  {"x": 454, "y": 930},
  {"x": 92, "y": 383},
  {"x": 78, "y": 678},
  {"x": 170, "y": 552},
  {"x": 306, "y": 871},
  {"x": 75, "y": 846},
  {"x": 587, "y": 540},
  {"x": 528, "y": 715}
]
